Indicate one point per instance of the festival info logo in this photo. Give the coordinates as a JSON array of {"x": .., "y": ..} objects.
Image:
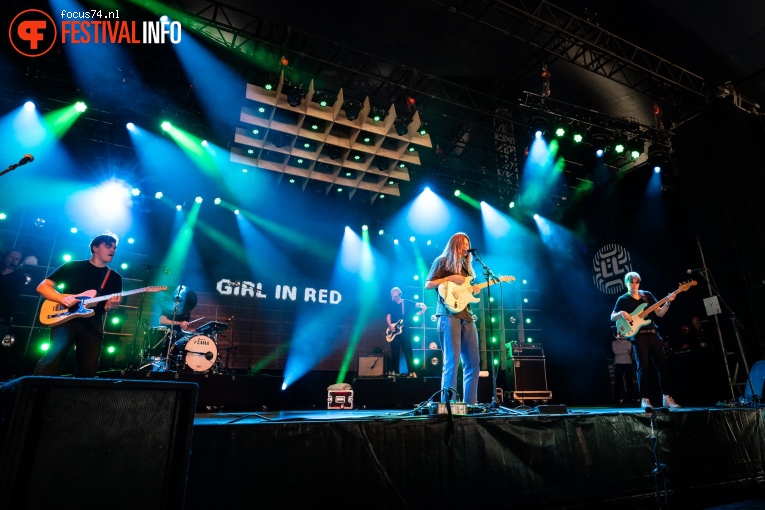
[
  {"x": 32, "y": 33},
  {"x": 610, "y": 264}
]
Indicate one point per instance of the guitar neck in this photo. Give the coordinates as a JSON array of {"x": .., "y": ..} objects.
[
  {"x": 109, "y": 296},
  {"x": 654, "y": 306},
  {"x": 486, "y": 284}
]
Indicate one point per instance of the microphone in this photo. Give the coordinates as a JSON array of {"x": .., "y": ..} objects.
[
  {"x": 697, "y": 270},
  {"x": 28, "y": 158},
  {"x": 472, "y": 250}
]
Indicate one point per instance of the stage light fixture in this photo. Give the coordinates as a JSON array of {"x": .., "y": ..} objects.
[
  {"x": 324, "y": 98},
  {"x": 539, "y": 125},
  {"x": 352, "y": 109},
  {"x": 402, "y": 125},
  {"x": 635, "y": 148},
  {"x": 80, "y": 106},
  {"x": 333, "y": 152},
  {"x": 295, "y": 94},
  {"x": 378, "y": 114},
  {"x": 382, "y": 164},
  {"x": 599, "y": 142},
  {"x": 658, "y": 156},
  {"x": 423, "y": 129}
]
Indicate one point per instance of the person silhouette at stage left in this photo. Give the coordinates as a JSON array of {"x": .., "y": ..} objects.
[{"x": 12, "y": 282}]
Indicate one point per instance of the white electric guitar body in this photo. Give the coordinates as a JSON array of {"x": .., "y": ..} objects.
[{"x": 457, "y": 297}]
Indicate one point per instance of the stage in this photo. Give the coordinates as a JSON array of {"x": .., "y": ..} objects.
[
  {"x": 256, "y": 444},
  {"x": 488, "y": 458},
  {"x": 239, "y": 441}
]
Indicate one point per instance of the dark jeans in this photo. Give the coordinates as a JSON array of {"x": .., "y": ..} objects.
[
  {"x": 623, "y": 381},
  {"x": 86, "y": 335},
  {"x": 648, "y": 348}
]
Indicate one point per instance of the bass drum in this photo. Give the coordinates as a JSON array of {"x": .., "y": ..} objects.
[{"x": 199, "y": 352}]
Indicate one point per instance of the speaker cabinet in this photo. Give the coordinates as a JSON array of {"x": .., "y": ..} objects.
[
  {"x": 371, "y": 366},
  {"x": 94, "y": 443},
  {"x": 529, "y": 374}
]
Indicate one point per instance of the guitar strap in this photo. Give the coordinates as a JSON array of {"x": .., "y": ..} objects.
[{"x": 106, "y": 278}]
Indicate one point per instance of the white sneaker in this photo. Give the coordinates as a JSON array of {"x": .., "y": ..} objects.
[
  {"x": 644, "y": 403},
  {"x": 668, "y": 401}
]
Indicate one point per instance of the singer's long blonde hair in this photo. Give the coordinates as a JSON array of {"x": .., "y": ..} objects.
[{"x": 453, "y": 256}]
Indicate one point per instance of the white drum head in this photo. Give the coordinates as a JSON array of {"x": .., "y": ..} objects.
[{"x": 200, "y": 353}]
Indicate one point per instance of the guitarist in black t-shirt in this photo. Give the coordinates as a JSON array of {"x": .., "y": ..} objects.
[
  {"x": 398, "y": 309},
  {"x": 84, "y": 332},
  {"x": 646, "y": 342}
]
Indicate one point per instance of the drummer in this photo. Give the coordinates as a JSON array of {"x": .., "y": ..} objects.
[{"x": 176, "y": 311}]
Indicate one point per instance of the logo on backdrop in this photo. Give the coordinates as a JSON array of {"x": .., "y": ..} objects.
[
  {"x": 610, "y": 264},
  {"x": 33, "y": 32},
  {"x": 247, "y": 289}
]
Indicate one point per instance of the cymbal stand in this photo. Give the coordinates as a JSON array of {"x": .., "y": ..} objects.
[
  {"x": 231, "y": 347},
  {"x": 171, "y": 343}
]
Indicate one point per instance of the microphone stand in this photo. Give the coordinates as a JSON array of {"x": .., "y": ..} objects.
[
  {"x": 172, "y": 329},
  {"x": 703, "y": 274},
  {"x": 491, "y": 278},
  {"x": 12, "y": 167},
  {"x": 659, "y": 470}
]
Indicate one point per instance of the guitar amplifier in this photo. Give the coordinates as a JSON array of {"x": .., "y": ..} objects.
[
  {"x": 371, "y": 366},
  {"x": 520, "y": 350}
]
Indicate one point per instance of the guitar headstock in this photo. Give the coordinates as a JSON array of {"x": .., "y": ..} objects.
[
  {"x": 155, "y": 288},
  {"x": 686, "y": 285},
  {"x": 508, "y": 278}
]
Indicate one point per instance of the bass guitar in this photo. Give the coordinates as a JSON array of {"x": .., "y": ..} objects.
[
  {"x": 457, "y": 297},
  {"x": 52, "y": 313},
  {"x": 628, "y": 329},
  {"x": 398, "y": 328}
]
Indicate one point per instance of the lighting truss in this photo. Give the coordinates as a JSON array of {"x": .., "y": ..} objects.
[{"x": 616, "y": 127}]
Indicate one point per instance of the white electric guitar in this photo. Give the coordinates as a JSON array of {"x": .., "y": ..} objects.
[
  {"x": 56, "y": 313},
  {"x": 398, "y": 327},
  {"x": 457, "y": 297},
  {"x": 628, "y": 329}
]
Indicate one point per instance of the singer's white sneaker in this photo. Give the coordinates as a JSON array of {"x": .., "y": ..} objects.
[
  {"x": 668, "y": 401},
  {"x": 645, "y": 403}
]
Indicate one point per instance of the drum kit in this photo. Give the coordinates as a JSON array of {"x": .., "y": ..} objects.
[{"x": 194, "y": 351}]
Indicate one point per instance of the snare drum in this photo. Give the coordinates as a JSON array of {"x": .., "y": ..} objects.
[{"x": 199, "y": 352}]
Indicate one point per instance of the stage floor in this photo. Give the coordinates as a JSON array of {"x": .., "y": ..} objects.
[{"x": 492, "y": 458}]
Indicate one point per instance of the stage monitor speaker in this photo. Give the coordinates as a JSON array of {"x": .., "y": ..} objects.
[
  {"x": 94, "y": 443},
  {"x": 371, "y": 366}
]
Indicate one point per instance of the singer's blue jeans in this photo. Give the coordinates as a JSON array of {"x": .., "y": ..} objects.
[{"x": 459, "y": 341}]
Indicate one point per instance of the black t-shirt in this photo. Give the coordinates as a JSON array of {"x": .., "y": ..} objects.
[
  {"x": 627, "y": 303},
  {"x": 400, "y": 310},
  {"x": 79, "y": 276}
]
